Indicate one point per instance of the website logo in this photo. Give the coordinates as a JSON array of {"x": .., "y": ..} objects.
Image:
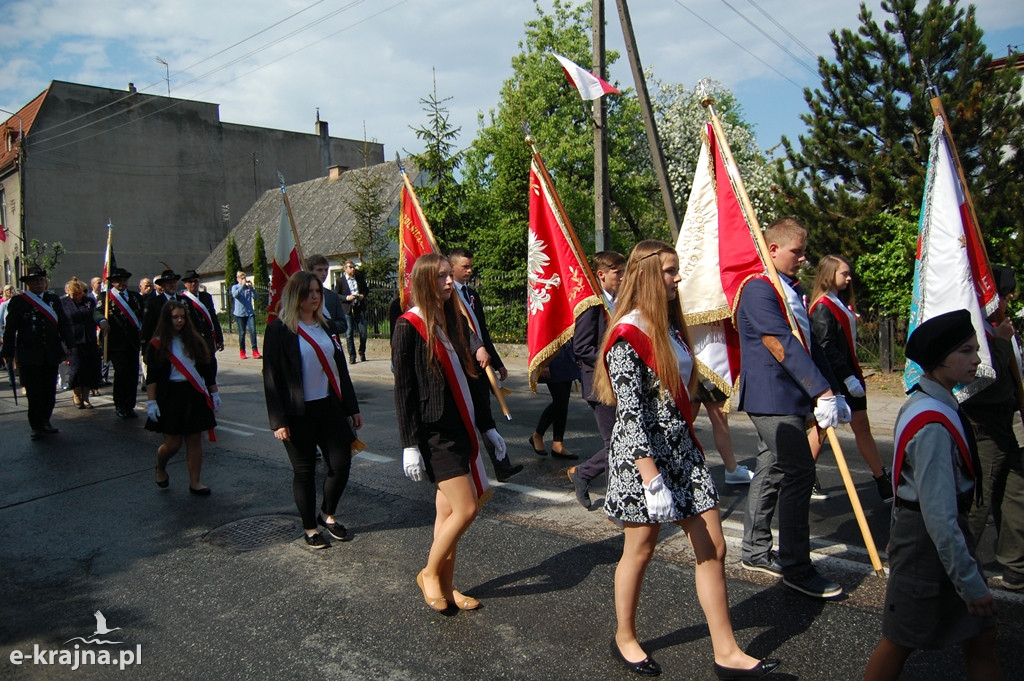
[{"x": 87, "y": 653}]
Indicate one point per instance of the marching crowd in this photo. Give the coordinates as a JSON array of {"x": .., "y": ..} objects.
[{"x": 954, "y": 464}]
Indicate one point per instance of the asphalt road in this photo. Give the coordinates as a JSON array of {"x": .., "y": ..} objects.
[{"x": 223, "y": 587}]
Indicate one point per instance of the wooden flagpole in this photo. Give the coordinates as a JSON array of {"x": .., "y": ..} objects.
[
  {"x": 755, "y": 228},
  {"x": 291, "y": 221},
  {"x": 492, "y": 378}
]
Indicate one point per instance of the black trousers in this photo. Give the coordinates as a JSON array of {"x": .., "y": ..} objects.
[
  {"x": 557, "y": 411},
  {"x": 126, "y": 378},
  {"x": 40, "y": 383},
  {"x": 327, "y": 426}
]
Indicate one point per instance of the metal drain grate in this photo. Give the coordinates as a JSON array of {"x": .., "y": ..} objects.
[{"x": 250, "y": 534}]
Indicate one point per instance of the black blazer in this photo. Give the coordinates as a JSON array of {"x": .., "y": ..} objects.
[
  {"x": 282, "y": 376},
  {"x": 158, "y": 370},
  {"x": 826, "y": 330},
  {"x": 343, "y": 292},
  {"x": 214, "y": 336},
  {"x": 419, "y": 390},
  {"x": 586, "y": 343},
  {"x": 152, "y": 316},
  {"x": 123, "y": 336},
  {"x": 33, "y": 338},
  {"x": 485, "y": 334}
]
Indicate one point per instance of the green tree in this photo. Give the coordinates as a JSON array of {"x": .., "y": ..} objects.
[
  {"x": 866, "y": 148},
  {"x": 371, "y": 203},
  {"x": 44, "y": 255},
  {"x": 888, "y": 271},
  {"x": 260, "y": 269},
  {"x": 681, "y": 120},
  {"x": 442, "y": 196},
  {"x": 497, "y": 162},
  {"x": 232, "y": 261}
]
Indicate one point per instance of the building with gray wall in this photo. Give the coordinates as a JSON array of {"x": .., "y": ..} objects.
[{"x": 168, "y": 173}]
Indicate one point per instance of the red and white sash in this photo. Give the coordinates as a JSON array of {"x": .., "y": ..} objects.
[
  {"x": 843, "y": 316},
  {"x": 42, "y": 306},
  {"x": 924, "y": 411},
  {"x": 456, "y": 379},
  {"x": 122, "y": 305},
  {"x": 198, "y": 305},
  {"x": 187, "y": 368},
  {"x": 324, "y": 363},
  {"x": 630, "y": 330}
]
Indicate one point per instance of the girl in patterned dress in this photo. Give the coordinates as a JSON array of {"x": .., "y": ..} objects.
[{"x": 656, "y": 469}]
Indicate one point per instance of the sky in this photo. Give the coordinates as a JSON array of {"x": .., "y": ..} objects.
[{"x": 367, "y": 65}]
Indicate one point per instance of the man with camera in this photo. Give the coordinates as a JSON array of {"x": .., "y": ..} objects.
[
  {"x": 352, "y": 291},
  {"x": 244, "y": 296}
]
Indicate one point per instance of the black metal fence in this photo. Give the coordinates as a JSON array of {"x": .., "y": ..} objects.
[{"x": 880, "y": 339}]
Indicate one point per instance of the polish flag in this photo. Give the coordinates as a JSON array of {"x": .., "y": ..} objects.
[
  {"x": 286, "y": 263},
  {"x": 590, "y": 86}
]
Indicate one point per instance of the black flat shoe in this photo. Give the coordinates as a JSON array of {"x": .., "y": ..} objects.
[
  {"x": 563, "y": 455},
  {"x": 645, "y": 667},
  {"x": 538, "y": 452},
  {"x": 201, "y": 492},
  {"x": 163, "y": 484},
  {"x": 762, "y": 668}
]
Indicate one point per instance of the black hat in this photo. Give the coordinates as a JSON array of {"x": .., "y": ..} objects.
[
  {"x": 166, "y": 275},
  {"x": 1005, "y": 279},
  {"x": 119, "y": 273},
  {"x": 932, "y": 341},
  {"x": 33, "y": 272},
  {"x": 190, "y": 275}
]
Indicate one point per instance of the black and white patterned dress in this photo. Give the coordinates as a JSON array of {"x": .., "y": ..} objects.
[{"x": 648, "y": 423}]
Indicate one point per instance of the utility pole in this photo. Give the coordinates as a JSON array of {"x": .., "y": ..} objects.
[
  {"x": 653, "y": 141},
  {"x": 167, "y": 73},
  {"x": 602, "y": 188}
]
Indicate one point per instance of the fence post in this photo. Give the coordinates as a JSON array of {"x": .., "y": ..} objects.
[{"x": 885, "y": 345}]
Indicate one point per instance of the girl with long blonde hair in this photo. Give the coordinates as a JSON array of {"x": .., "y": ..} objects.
[
  {"x": 656, "y": 469},
  {"x": 834, "y": 325}
]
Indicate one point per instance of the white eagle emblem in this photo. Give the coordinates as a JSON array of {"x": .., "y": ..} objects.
[{"x": 539, "y": 283}]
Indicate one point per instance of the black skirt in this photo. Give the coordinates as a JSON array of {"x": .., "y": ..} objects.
[
  {"x": 84, "y": 369},
  {"x": 183, "y": 411},
  {"x": 447, "y": 447}
]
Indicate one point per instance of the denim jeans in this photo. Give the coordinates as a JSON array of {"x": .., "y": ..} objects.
[
  {"x": 246, "y": 324},
  {"x": 356, "y": 324}
]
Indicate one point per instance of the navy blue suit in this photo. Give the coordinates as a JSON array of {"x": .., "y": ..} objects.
[
  {"x": 590, "y": 329},
  {"x": 779, "y": 382}
]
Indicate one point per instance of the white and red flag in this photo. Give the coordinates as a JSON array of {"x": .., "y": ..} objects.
[
  {"x": 716, "y": 257},
  {"x": 560, "y": 284},
  {"x": 951, "y": 268},
  {"x": 589, "y": 86},
  {"x": 286, "y": 260}
]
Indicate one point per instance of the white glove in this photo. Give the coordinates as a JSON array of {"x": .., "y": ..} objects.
[
  {"x": 826, "y": 412},
  {"x": 412, "y": 462},
  {"x": 152, "y": 410},
  {"x": 216, "y": 401},
  {"x": 660, "y": 506},
  {"x": 498, "y": 442},
  {"x": 853, "y": 386},
  {"x": 845, "y": 413}
]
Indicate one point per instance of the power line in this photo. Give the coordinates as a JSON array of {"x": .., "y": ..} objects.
[
  {"x": 737, "y": 44},
  {"x": 130, "y": 95},
  {"x": 760, "y": 30},
  {"x": 174, "y": 103},
  {"x": 782, "y": 28}
]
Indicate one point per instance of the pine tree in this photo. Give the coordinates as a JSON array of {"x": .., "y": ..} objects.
[
  {"x": 866, "y": 148},
  {"x": 371, "y": 204},
  {"x": 441, "y": 196},
  {"x": 260, "y": 269},
  {"x": 232, "y": 262}
]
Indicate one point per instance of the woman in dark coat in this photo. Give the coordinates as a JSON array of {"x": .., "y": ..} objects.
[
  {"x": 310, "y": 402},
  {"x": 84, "y": 369}
]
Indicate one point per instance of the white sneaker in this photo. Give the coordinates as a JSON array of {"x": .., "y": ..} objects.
[{"x": 740, "y": 476}]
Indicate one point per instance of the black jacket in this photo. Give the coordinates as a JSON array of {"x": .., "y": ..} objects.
[
  {"x": 31, "y": 336},
  {"x": 282, "y": 376},
  {"x": 586, "y": 343},
  {"x": 485, "y": 334},
  {"x": 122, "y": 334},
  {"x": 347, "y": 306},
  {"x": 419, "y": 390}
]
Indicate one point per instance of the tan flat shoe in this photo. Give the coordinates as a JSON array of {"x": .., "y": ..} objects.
[
  {"x": 464, "y": 602},
  {"x": 435, "y": 604}
]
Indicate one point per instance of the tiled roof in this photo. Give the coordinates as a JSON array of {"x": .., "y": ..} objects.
[
  {"x": 28, "y": 115},
  {"x": 322, "y": 216}
]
